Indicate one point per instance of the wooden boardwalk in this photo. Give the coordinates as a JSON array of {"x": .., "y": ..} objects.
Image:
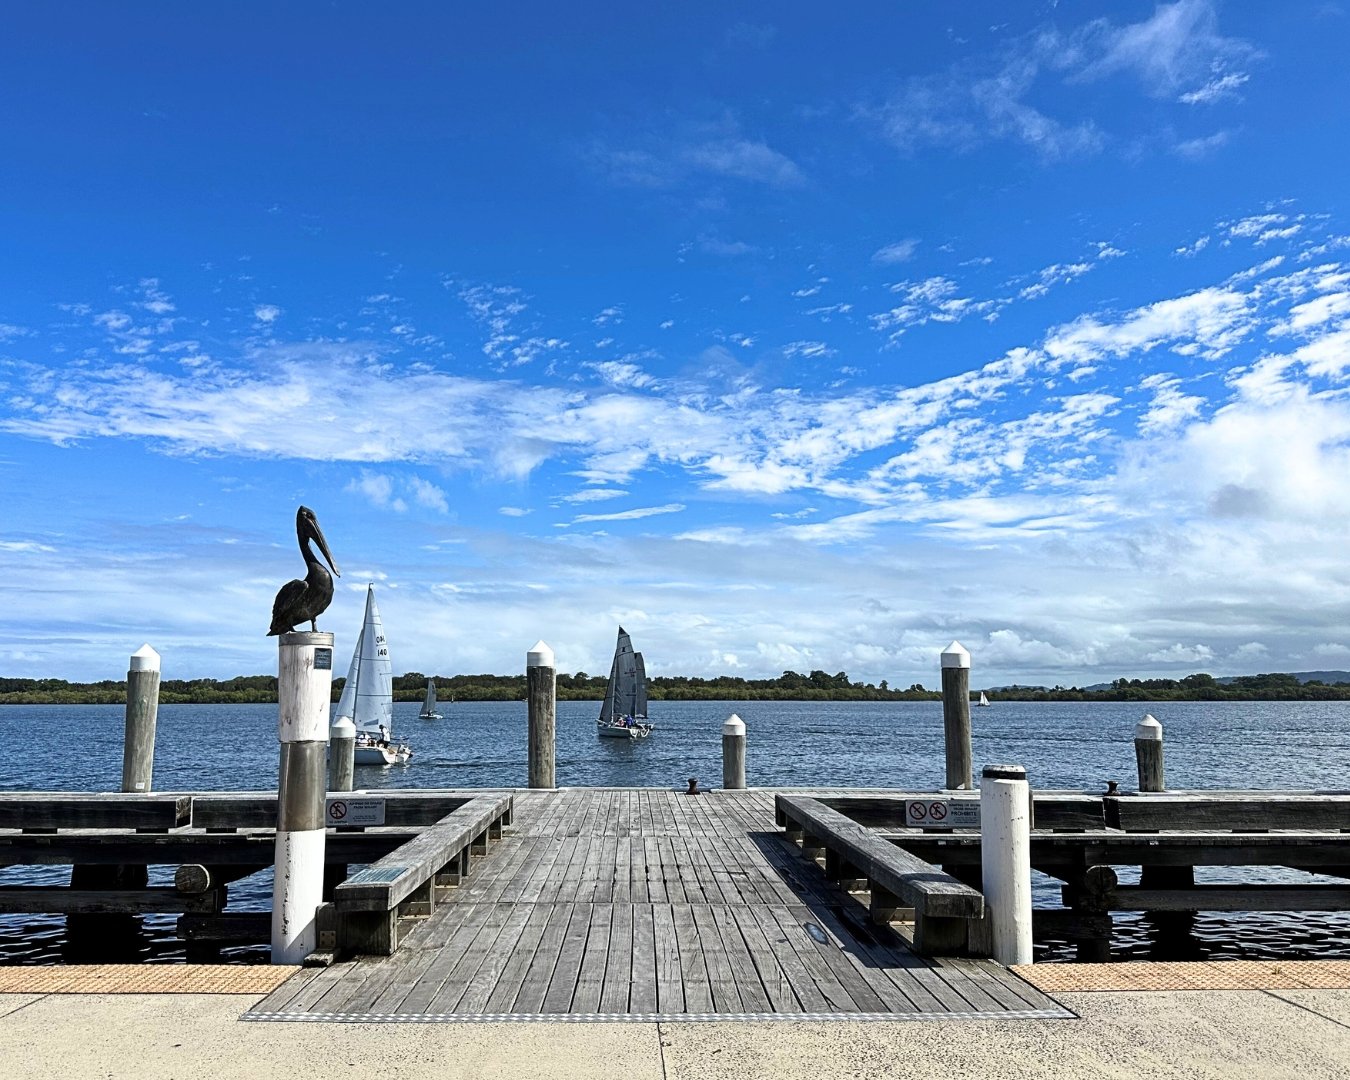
[{"x": 603, "y": 904}]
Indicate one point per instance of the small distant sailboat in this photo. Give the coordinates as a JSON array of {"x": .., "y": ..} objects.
[
  {"x": 983, "y": 700},
  {"x": 429, "y": 705},
  {"x": 624, "y": 713},
  {"x": 368, "y": 695}
]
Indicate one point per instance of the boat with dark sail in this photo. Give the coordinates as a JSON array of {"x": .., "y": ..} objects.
[{"x": 624, "y": 713}]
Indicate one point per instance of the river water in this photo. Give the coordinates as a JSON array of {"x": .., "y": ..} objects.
[{"x": 828, "y": 744}]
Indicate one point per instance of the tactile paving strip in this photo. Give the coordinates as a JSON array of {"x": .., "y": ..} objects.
[
  {"x": 1200, "y": 975},
  {"x": 145, "y": 979}
]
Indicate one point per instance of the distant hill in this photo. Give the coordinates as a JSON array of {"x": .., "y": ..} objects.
[{"x": 1328, "y": 677}]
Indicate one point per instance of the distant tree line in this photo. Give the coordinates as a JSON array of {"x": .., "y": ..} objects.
[{"x": 790, "y": 686}]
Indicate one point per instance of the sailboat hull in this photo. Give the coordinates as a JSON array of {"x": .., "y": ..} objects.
[
  {"x": 381, "y": 755},
  {"x": 618, "y": 731}
]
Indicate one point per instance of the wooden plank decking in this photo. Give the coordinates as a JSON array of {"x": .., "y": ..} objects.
[{"x": 650, "y": 905}]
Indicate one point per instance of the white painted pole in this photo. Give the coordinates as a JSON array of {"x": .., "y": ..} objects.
[
  {"x": 1148, "y": 754},
  {"x": 1005, "y": 854},
  {"x": 956, "y": 716},
  {"x": 733, "y": 753},
  {"x": 341, "y": 754},
  {"x": 138, "y": 745},
  {"x": 541, "y": 680},
  {"x": 304, "y": 684}
]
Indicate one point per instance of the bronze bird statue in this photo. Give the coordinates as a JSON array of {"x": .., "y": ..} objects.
[{"x": 298, "y": 601}]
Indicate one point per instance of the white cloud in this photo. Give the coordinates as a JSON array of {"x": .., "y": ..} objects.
[
  {"x": 512, "y": 511},
  {"x": 1192, "y": 249},
  {"x": 897, "y": 252},
  {"x": 630, "y": 515},
  {"x": 1217, "y": 89},
  {"x": 267, "y": 313}
]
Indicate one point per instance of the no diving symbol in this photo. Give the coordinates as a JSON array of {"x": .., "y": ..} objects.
[
  {"x": 337, "y": 810},
  {"x": 938, "y": 811},
  {"x": 918, "y": 811}
]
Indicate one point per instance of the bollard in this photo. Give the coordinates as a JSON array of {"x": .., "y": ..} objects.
[
  {"x": 1005, "y": 855},
  {"x": 138, "y": 747},
  {"x": 304, "y": 685},
  {"x": 341, "y": 754},
  {"x": 956, "y": 716},
  {"x": 541, "y": 679},
  {"x": 733, "y": 753},
  {"x": 1148, "y": 754}
]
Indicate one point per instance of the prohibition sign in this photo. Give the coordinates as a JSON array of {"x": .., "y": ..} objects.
[
  {"x": 938, "y": 811},
  {"x": 918, "y": 811},
  {"x": 337, "y": 810}
]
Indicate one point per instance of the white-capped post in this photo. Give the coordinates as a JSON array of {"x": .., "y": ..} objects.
[
  {"x": 138, "y": 746},
  {"x": 1005, "y": 856},
  {"x": 956, "y": 715},
  {"x": 1148, "y": 754},
  {"x": 341, "y": 754},
  {"x": 541, "y": 681},
  {"x": 733, "y": 753},
  {"x": 304, "y": 687}
]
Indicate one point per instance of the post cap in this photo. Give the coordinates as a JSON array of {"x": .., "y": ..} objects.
[
  {"x": 1004, "y": 772},
  {"x": 145, "y": 659},
  {"x": 1148, "y": 730},
  {"x": 734, "y": 725},
  {"x": 540, "y": 656},
  {"x": 955, "y": 655},
  {"x": 342, "y": 728}
]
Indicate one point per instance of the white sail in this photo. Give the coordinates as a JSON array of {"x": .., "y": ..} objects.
[{"x": 368, "y": 697}]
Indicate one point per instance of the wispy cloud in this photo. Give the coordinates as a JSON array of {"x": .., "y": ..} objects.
[
  {"x": 898, "y": 252},
  {"x": 630, "y": 515}
]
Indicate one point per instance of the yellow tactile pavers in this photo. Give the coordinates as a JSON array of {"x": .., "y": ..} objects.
[
  {"x": 1201, "y": 975},
  {"x": 145, "y": 979}
]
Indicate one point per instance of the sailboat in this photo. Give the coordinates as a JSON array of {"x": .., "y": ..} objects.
[
  {"x": 368, "y": 695},
  {"x": 429, "y": 705},
  {"x": 983, "y": 699},
  {"x": 624, "y": 713}
]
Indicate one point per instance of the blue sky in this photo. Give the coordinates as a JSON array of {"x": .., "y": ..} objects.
[{"x": 786, "y": 337}]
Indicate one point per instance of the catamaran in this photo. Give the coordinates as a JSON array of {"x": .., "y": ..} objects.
[
  {"x": 429, "y": 705},
  {"x": 624, "y": 713},
  {"x": 368, "y": 695}
]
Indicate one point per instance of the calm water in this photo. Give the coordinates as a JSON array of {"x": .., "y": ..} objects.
[{"x": 843, "y": 744}]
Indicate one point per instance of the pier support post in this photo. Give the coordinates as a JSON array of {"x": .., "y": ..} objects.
[
  {"x": 541, "y": 679},
  {"x": 304, "y": 687},
  {"x": 956, "y": 716},
  {"x": 1148, "y": 754},
  {"x": 1005, "y": 853},
  {"x": 733, "y": 753},
  {"x": 341, "y": 754},
  {"x": 138, "y": 747}
]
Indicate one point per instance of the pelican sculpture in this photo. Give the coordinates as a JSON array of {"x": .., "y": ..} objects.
[{"x": 298, "y": 601}]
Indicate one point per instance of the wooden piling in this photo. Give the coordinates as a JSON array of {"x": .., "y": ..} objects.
[
  {"x": 956, "y": 716},
  {"x": 304, "y": 682},
  {"x": 138, "y": 747},
  {"x": 1148, "y": 754},
  {"x": 541, "y": 679},
  {"x": 341, "y": 754},
  {"x": 733, "y": 753}
]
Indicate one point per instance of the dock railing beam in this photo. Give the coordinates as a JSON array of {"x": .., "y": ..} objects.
[
  {"x": 304, "y": 687},
  {"x": 1005, "y": 856},
  {"x": 956, "y": 716},
  {"x": 541, "y": 679}
]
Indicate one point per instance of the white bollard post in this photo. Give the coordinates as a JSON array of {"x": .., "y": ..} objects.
[
  {"x": 304, "y": 683},
  {"x": 733, "y": 753},
  {"x": 1148, "y": 754},
  {"x": 341, "y": 754},
  {"x": 956, "y": 716},
  {"x": 541, "y": 681},
  {"x": 1005, "y": 853}
]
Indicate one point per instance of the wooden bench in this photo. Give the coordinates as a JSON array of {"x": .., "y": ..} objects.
[
  {"x": 375, "y": 907},
  {"x": 943, "y": 906}
]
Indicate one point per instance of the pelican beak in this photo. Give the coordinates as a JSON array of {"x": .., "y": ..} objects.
[{"x": 316, "y": 533}]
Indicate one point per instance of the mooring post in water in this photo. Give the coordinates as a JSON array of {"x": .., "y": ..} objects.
[
  {"x": 1005, "y": 856},
  {"x": 1148, "y": 754},
  {"x": 341, "y": 754},
  {"x": 733, "y": 753},
  {"x": 138, "y": 747},
  {"x": 956, "y": 715},
  {"x": 541, "y": 679},
  {"x": 304, "y": 687}
]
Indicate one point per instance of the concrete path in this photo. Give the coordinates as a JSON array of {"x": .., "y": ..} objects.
[{"x": 1298, "y": 1034}]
